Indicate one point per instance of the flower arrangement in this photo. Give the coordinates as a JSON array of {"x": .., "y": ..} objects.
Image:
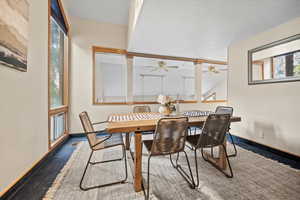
[
  {"x": 164, "y": 100},
  {"x": 167, "y": 105}
]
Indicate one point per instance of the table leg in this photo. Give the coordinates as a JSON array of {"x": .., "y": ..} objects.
[
  {"x": 138, "y": 161},
  {"x": 221, "y": 160},
  {"x": 222, "y": 156},
  {"x": 127, "y": 143}
]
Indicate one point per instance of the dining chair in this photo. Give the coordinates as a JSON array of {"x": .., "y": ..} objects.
[
  {"x": 193, "y": 130},
  {"x": 227, "y": 110},
  {"x": 98, "y": 144},
  {"x": 213, "y": 135},
  {"x": 140, "y": 109},
  {"x": 169, "y": 138}
]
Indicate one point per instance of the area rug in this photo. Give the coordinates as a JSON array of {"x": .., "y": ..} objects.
[{"x": 255, "y": 177}]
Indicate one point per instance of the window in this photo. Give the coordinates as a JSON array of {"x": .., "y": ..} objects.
[
  {"x": 58, "y": 73},
  {"x": 121, "y": 77},
  {"x": 56, "y": 65},
  {"x": 110, "y": 78},
  {"x": 152, "y": 77},
  {"x": 214, "y": 82},
  {"x": 57, "y": 126}
]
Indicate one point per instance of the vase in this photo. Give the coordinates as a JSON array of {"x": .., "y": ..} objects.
[{"x": 164, "y": 110}]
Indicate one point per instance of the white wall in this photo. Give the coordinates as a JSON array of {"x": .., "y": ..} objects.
[
  {"x": 110, "y": 82},
  {"x": 270, "y": 112},
  {"x": 86, "y": 34},
  {"x": 24, "y": 103}
]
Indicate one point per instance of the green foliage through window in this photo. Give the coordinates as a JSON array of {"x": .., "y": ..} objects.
[{"x": 56, "y": 65}]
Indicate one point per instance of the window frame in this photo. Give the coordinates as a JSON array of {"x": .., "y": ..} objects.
[
  {"x": 64, "y": 109},
  {"x": 95, "y": 50},
  {"x": 130, "y": 55}
]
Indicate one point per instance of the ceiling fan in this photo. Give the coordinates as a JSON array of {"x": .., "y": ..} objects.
[
  {"x": 162, "y": 65},
  {"x": 213, "y": 69}
]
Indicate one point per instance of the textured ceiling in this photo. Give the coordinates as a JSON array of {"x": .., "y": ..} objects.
[
  {"x": 190, "y": 28},
  {"x": 205, "y": 28},
  {"x": 109, "y": 11}
]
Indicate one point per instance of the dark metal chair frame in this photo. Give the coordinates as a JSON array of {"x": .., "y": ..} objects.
[
  {"x": 227, "y": 110},
  {"x": 92, "y": 146},
  {"x": 137, "y": 109},
  {"x": 158, "y": 142},
  {"x": 195, "y": 128},
  {"x": 208, "y": 140},
  {"x": 190, "y": 133}
]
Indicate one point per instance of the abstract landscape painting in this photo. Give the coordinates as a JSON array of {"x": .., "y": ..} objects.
[{"x": 14, "y": 16}]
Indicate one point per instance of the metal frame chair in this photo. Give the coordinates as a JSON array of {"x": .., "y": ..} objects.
[
  {"x": 139, "y": 109},
  {"x": 213, "y": 135},
  {"x": 227, "y": 110},
  {"x": 97, "y": 144},
  {"x": 169, "y": 138},
  {"x": 192, "y": 113}
]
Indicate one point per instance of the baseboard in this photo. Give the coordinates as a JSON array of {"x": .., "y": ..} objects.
[
  {"x": 100, "y": 134},
  {"x": 268, "y": 148},
  {"x": 83, "y": 134},
  {"x": 77, "y": 135},
  {"x": 17, "y": 185}
]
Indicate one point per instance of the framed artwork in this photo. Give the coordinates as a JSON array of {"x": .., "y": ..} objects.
[{"x": 14, "y": 19}]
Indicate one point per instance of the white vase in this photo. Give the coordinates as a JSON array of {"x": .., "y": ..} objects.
[{"x": 164, "y": 110}]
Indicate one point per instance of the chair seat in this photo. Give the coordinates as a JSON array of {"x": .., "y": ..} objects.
[
  {"x": 209, "y": 141},
  {"x": 193, "y": 139},
  {"x": 148, "y": 144},
  {"x": 115, "y": 140}
]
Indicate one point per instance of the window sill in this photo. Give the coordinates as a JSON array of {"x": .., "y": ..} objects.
[
  {"x": 58, "y": 141},
  {"x": 138, "y": 102},
  {"x": 214, "y": 101},
  {"x": 58, "y": 110},
  {"x": 110, "y": 103}
]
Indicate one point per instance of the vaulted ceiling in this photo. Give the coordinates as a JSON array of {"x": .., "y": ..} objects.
[
  {"x": 109, "y": 11},
  {"x": 191, "y": 28}
]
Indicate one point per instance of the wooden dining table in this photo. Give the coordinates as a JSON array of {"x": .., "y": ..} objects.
[{"x": 138, "y": 123}]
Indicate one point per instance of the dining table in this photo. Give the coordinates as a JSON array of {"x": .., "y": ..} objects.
[{"x": 137, "y": 123}]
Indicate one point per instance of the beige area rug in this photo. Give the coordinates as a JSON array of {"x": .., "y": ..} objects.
[{"x": 255, "y": 178}]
